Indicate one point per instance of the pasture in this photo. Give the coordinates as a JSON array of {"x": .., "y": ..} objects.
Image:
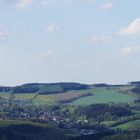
[
  {"x": 103, "y": 95},
  {"x": 25, "y": 96},
  {"x": 22, "y": 96},
  {"x": 77, "y": 97},
  {"x": 4, "y": 123},
  {"x": 130, "y": 125},
  {"x": 62, "y": 97},
  {"x": 5, "y": 95}
]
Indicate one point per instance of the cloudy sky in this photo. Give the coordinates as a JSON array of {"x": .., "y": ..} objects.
[{"x": 86, "y": 41}]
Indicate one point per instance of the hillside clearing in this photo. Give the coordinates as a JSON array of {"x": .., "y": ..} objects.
[
  {"x": 104, "y": 95},
  {"x": 130, "y": 125}
]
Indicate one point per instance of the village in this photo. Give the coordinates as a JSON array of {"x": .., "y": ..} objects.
[{"x": 23, "y": 110}]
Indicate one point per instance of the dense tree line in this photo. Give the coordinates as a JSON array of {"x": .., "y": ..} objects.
[
  {"x": 136, "y": 90},
  {"x": 96, "y": 136},
  {"x": 127, "y": 135},
  {"x": 102, "y": 111},
  {"x": 44, "y": 88},
  {"x": 100, "y": 85},
  {"x": 29, "y": 132},
  {"x": 135, "y": 83},
  {"x": 5, "y": 89}
]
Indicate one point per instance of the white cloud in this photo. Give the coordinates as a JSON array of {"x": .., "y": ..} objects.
[
  {"x": 129, "y": 50},
  {"x": 24, "y": 3},
  {"x": 4, "y": 33},
  {"x": 100, "y": 39},
  {"x": 53, "y": 28},
  {"x": 132, "y": 28},
  {"x": 106, "y": 6}
]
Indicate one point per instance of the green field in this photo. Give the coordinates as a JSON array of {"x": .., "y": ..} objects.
[
  {"x": 100, "y": 95},
  {"x": 40, "y": 100},
  {"x": 15, "y": 122},
  {"x": 129, "y": 125},
  {"x": 25, "y": 96},
  {"x": 4, "y": 95},
  {"x": 108, "y": 123},
  {"x": 22, "y": 96},
  {"x": 103, "y": 95}
]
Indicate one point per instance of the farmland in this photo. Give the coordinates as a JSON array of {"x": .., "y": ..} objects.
[
  {"x": 70, "y": 106},
  {"x": 4, "y": 123},
  {"x": 76, "y": 97},
  {"x": 129, "y": 125},
  {"x": 63, "y": 97},
  {"x": 46, "y": 99},
  {"x": 103, "y": 95}
]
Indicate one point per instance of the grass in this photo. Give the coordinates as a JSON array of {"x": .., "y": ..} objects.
[
  {"x": 45, "y": 99},
  {"x": 25, "y": 96},
  {"x": 108, "y": 123},
  {"x": 129, "y": 125},
  {"x": 50, "y": 89},
  {"x": 126, "y": 89},
  {"x": 6, "y": 123},
  {"x": 61, "y": 96},
  {"x": 22, "y": 96},
  {"x": 103, "y": 95},
  {"x": 100, "y": 95},
  {"x": 15, "y": 122},
  {"x": 4, "y": 95},
  {"x": 42, "y": 101}
]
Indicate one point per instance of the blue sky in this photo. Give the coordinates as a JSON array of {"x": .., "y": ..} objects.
[{"x": 87, "y": 41}]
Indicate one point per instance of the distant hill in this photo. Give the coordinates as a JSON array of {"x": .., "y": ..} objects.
[
  {"x": 100, "y": 85},
  {"x": 136, "y": 89},
  {"x": 50, "y": 88},
  {"x": 44, "y": 88},
  {"x": 135, "y": 83}
]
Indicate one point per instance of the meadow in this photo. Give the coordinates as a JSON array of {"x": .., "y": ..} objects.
[
  {"x": 104, "y": 95},
  {"x": 129, "y": 125},
  {"x": 4, "y": 123},
  {"x": 76, "y": 97}
]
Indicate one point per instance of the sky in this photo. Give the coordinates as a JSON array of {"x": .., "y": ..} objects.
[{"x": 86, "y": 41}]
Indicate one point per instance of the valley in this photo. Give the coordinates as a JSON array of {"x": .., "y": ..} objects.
[{"x": 77, "y": 109}]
